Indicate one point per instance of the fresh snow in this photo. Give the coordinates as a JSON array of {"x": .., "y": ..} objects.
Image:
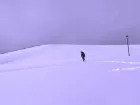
[{"x": 56, "y": 75}]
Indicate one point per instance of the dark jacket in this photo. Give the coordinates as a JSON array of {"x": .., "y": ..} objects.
[{"x": 82, "y": 54}]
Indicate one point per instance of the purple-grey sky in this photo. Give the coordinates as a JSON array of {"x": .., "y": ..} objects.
[{"x": 26, "y": 23}]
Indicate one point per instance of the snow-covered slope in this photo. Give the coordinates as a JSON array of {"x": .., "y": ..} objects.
[{"x": 56, "y": 75}]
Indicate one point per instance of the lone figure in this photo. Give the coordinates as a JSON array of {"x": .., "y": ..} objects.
[{"x": 83, "y": 55}]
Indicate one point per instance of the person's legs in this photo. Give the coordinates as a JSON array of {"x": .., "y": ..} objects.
[{"x": 83, "y": 59}]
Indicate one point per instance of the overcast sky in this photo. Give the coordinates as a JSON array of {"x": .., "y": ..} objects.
[{"x": 26, "y": 23}]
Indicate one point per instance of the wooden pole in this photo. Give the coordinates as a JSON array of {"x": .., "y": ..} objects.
[{"x": 127, "y": 37}]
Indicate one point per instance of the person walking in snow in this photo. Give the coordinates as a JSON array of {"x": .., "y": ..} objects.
[{"x": 83, "y": 55}]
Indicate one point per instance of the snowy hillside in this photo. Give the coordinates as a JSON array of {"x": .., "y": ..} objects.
[{"x": 56, "y": 75}]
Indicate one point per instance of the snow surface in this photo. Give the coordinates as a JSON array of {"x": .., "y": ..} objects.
[{"x": 56, "y": 75}]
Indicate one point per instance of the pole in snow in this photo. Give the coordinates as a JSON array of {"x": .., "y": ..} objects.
[{"x": 127, "y": 37}]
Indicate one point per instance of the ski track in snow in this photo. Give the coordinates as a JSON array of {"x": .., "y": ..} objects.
[
  {"x": 123, "y": 62},
  {"x": 66, "y": 62},
  {"x": 57, "y": 64}
]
